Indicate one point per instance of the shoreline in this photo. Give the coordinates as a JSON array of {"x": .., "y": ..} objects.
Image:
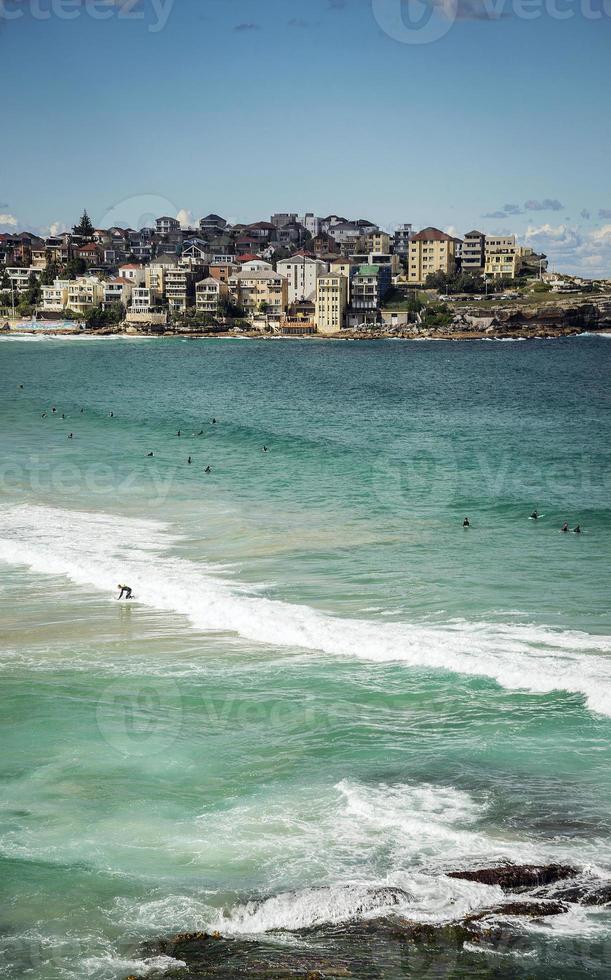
[{"x": 547, "y": 333}]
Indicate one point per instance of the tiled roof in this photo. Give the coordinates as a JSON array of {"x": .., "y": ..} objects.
[{"x": 431, "y": 235}]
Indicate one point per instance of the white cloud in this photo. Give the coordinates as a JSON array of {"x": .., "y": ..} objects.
[
  {"x": 602, "y": 235},
  {"x": 9, "y": 220},
  {"x": 185, "y": 217},
  {"x": 572, "y": 250},
  {"x": 55, "y": 228}
]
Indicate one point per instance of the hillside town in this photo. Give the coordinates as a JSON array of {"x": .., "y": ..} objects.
[{"x": 291, "y": 275}]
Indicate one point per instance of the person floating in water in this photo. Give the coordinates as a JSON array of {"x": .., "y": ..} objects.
[
  {"x": 178, "y": 433},
  {"x": 466, "y": 522},
  {"x": 535, "y": 515},
  {"x": 189, "y": 461},
  {"x": 577, "y": 529},
  {"x": 208, "y": 469},
  {"x": 63, "y": 416},
  {"x": 565, "y": 526},
  {"x": 150, "y": 454},
  {"x": 44, "y": 415},
  {"x": 71, "y": 436},
  {"x": 124, "y": 589},
  {"x": 213, "y": 421},
  {"x": 201, "y": 432},
  {"x": 265, "y": 449},
  {"x": 54, "y": 409},
  {"x": 111, "y": 415}
]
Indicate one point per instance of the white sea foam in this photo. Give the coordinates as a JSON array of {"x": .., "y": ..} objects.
[{"x": 97, "y": 550}]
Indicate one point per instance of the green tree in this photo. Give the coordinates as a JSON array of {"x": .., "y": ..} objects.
[
  {"x": 49, "y": 274},
  {"x": 74, "y": 268},
  {"x": 84, "y": 227},
  {"x": 228, "y": 308},
  {"x": 97, "y": 318},
  {"x": 33, "y": 293}
]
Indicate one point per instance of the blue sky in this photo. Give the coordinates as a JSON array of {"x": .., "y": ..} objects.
[{"x": 246, "y": 107}]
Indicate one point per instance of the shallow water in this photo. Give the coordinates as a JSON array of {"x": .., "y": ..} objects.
[{"x": 324, "y": 682}]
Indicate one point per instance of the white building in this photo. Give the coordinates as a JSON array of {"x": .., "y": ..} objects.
[
  {"x": 20, "y": 278},
  {"x": 55, "y": 297},
  {"x": 301, "y": 272},
  {"x": 256, "y": 265},
  {"x": 208, "y": 293},
  {"x": 117, "y": 290},
  {"x": 135, "y": 273},
  {"x": 311, "y": 223},
  {"x": 84, "y": 293},
  {"x": 143, "y": 299}
]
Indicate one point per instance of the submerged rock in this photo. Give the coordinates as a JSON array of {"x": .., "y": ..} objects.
[
  {"x": 513, "y": 876},
  {"x": 527, "y": 910}
]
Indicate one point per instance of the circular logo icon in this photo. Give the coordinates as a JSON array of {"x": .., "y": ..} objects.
[
  {"x": 140, "y": 717},
  {"x": 415, "y": 471},
  {"x": 415, "y": 21},
  {"x": 138, "y": 211}
]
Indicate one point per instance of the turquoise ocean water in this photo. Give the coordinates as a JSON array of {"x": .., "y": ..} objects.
[{"x": 325, "y": 683}]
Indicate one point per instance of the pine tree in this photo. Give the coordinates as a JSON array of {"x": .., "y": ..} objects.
[{"x": 84, "y": 227}]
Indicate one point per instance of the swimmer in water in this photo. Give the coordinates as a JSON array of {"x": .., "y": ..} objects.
[
  {"x": 466, "y": 522},
  {"x": 208, "y": 469},
  {"x": 150, "y": 454},
  {"x": 189, "y": 461},
  {"x": 534, "y": 516},
  {"x": 577, "y": 529},
  {"x": 565, "y": 527},
  {"x": 124, "y": 589},
  {"x": 71, "y": 436}
]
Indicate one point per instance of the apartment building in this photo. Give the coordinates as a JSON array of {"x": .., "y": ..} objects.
[
  {"x": 84, "y": 293},
  {"x": 502, "y": 256},
  {"x": 55, "y": 297},
  {"x": 155, "y": 273},
  {"x": 143, "y": 300},
  {"x": 331, "y": 302},
  {"x": 179, "y": 287},
  {"x": 208, "y": 294},
  {"x": 473, "y": 258},
  {"x": 135, "y": 273},
  {"x": 369, "y": 286},
  {"x": 260, "y": 290},
  {"x": 166, "y": 226},
  {"x": 301, "y": 272},
  {"x": 346, "y": 267},
  {"x": 430, "y": 250},
  {"x": 117, "y": 290}
]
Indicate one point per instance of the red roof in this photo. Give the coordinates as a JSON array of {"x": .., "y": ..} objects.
[
  {"x": 130, "y": 265},
  {"x": 431, "y": 235},
  {"x": 88, "y": 248},
  {"x": 248, "y": 258}
]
